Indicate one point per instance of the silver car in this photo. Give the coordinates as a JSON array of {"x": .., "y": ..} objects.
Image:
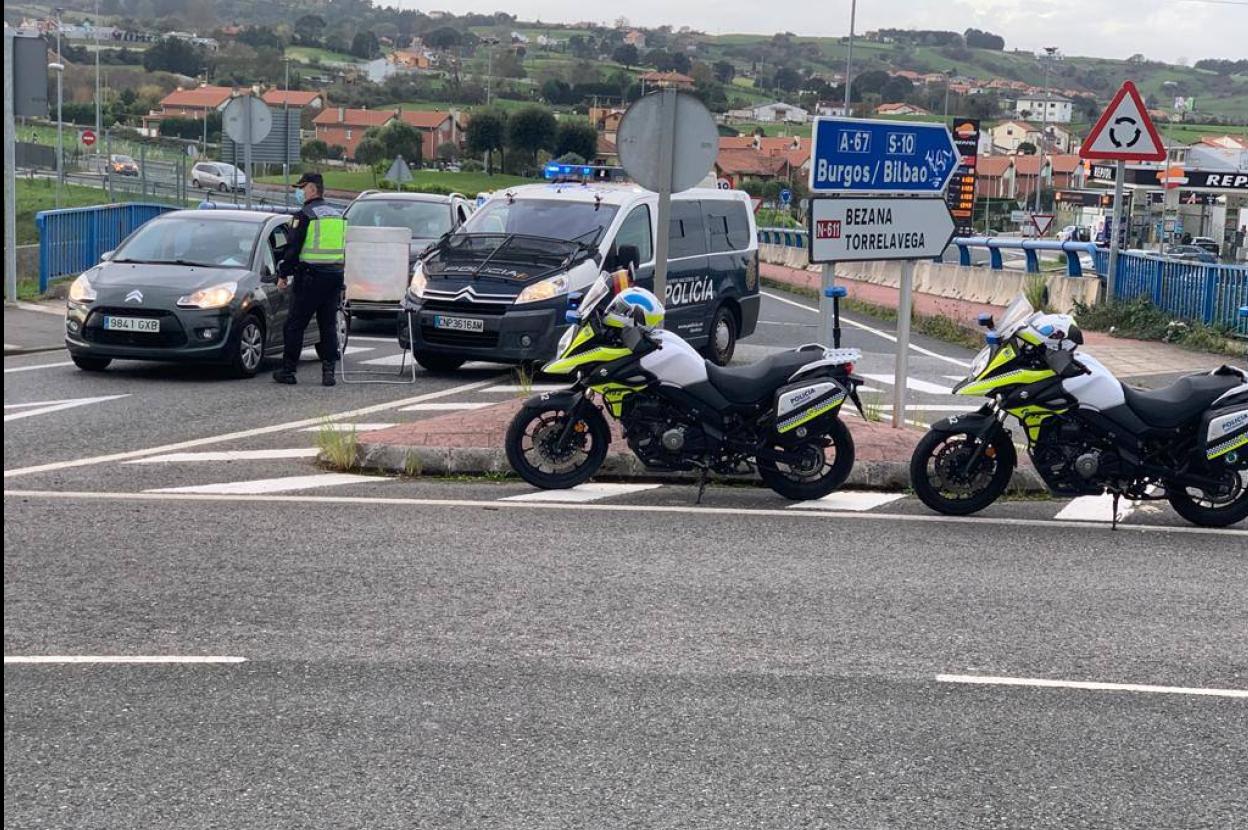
[{"x": 218, "y": 175}]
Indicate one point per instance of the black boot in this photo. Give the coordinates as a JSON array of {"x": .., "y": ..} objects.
[
  {"x": 284, "y": 375},
  {"x": 327, "y": 373}
]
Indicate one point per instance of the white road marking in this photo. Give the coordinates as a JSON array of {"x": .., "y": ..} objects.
[
  {"x": 274, "y": 485},
  {"x": 348, "y": 427},
  {"x": 1090, "y": 685},
  {"x": 445, "y": 407},
  {"x": 55, "y": 659},
  {"x": 40, "y": 366},
  {"x": 388, "y": 360},
  {"x": 1095, "y": 509},
  {"x": 911, "y": 383},
  {"x": 30, "y": 410},
  {"x": 310, "y": 352},
  {"x": 583, "y": 493},
  {"x": 458, "y": 504},
  {"x": 535, "y": 388},
  {"x": 391, "y": 340},
  {"x": 954, "y": 377},
  {"x": 852, "y": 500},
  {"x": 228, "y": 455},
  {"x": 38, "y": 403},
  {"x": 55, "y": 311},
  {"x": 922, "y": 407},
  {"x": 246, "y": 433},
  {"x": 874, "y": 331}
]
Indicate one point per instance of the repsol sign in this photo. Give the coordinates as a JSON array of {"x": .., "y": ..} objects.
[{"x": 688, "y": 292}]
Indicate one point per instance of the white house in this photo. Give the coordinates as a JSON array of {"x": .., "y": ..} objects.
[
  {"x": 1052, "y": 108},
  {"x": 779, "y": 113},
  {"x": 830, "y": 110}
]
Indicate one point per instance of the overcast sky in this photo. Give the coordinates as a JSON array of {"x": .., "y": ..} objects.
[{"x": 1160, "y": 29}]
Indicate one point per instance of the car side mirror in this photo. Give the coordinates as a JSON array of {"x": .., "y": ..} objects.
[
  {"x": 107, "y": 256},
  {"x": 267, "y": 274}
]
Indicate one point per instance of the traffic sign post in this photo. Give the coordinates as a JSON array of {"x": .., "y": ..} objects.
[
  {"x": 1123, "y": 133},
  {"x": 87, "y": 137},
  {"x": 667, "y": 143},
  {"x": 247, "y": 120},
  {"x": 879, "y": 194}
]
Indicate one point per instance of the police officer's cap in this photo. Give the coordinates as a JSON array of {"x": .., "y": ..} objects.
[{"x": 311, "y": 178}]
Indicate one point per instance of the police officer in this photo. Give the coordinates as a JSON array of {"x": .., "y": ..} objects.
[{"x": 314, "y": 262}]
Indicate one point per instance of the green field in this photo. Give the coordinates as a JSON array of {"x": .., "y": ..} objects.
[
  {"x": 307, "y": 54},
  {"x": 469, "y": 184},
  {"x": 34, "y": 195}
]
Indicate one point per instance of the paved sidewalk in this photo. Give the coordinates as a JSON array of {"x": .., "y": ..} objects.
[
  {"x": 34, "y": 327},
  {"x": 471, "y": 443},
  {"x": 1124, "y": 357}
]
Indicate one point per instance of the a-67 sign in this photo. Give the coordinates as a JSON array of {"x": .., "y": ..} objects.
[{"x": 861, "y": 156}]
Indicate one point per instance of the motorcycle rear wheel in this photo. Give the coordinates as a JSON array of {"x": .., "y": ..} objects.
[
  {"x": 819, "y": 477},
  {"x": 534, "y": 451},
  {"x": 934, "y": 476},
  {"x": 1214, "y": 510}
]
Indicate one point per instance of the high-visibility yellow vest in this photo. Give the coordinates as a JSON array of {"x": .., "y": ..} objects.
[{"x": 326, "y": 239}]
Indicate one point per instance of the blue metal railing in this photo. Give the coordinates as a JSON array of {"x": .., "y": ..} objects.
[
  {"x": 71, "y": 240},
  {"x": 1207, "y": 293}
]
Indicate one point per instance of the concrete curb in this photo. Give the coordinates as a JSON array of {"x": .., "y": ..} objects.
[
  {"x": 13, "y": 351},
  {"x": 479, "y": 461}
]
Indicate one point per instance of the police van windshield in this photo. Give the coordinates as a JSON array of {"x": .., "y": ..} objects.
[{"x": 551, "y": 218}]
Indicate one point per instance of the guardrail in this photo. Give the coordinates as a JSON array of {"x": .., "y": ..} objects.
[
  {"x": 788, "y": 237},
  {"x": 1031, "y": 249},
  {"x": 71, "y": 240}
]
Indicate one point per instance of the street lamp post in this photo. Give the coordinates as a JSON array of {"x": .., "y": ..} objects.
[
  {"x": 1050, "y": 52},
  {"x": 849, "y": 56},
  {"x": 489, "y": 70},
  {"x": 285, "y": 136},
  {"x": 95, "y": 29},
  {"x": 59, "y": 68},
  {"x": 948, "y": 79}
]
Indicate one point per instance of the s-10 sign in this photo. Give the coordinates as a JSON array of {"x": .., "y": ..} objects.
[{"x": 853, "y": 155}]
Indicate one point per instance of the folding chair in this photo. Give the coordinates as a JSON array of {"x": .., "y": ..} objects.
[{"x": 376, "y": 273}]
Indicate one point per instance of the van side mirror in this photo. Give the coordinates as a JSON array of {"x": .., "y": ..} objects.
[
  {"x": 106, "y": 256},
  {"x": 625, "y": 256}
]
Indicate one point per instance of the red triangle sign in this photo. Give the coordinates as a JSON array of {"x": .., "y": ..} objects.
[{"x": 1124, "y": 131}]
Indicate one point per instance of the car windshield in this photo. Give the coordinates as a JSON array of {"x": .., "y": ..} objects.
[
  {"x": 192, "y": 239},
  {"x": 551, "y": 218},
  {"x": 1015, "y": 315},
  {"x": 123, "y": 159},
  {"x": 426, "y": 220}
]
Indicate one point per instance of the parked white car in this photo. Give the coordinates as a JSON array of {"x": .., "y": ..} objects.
[{"x": 217, "y": 175}]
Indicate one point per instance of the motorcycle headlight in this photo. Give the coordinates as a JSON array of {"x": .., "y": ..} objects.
[
  {"x": 980, "y": 363},
  {"x": 547, "y": 289},
  {"x": 81, "y": 290},
  {"x": 416, "y": 287},
  {"x": 215, "y": 297},
  {"x": 565, "y": 341}
]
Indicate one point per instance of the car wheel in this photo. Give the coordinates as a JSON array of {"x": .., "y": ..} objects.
[
  {"x": 248, "y": 351},
  {"x": 195, "y": 183},
  {"x": 438, "y": 363},
  {"x": 221, "y": 187},
  {"x": 723, "y": 338},
  {"x": 91, "y": 364}
]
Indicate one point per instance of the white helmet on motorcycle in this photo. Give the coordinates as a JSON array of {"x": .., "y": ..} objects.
[
  {"x": 634, "y": 307},
  {"x": 1057, "y": 331}
]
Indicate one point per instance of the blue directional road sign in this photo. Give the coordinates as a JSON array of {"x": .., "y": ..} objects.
[
  {"x": 854, "y": 155},
  {"x": 786, "y": 196}
]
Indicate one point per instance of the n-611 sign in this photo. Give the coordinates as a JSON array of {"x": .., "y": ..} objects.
[
  {"x": 849, "y": 229},
  {"x": 853, "y": 155}
]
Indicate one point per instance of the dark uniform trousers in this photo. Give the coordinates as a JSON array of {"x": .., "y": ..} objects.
[{"x": 317, "y": 293}]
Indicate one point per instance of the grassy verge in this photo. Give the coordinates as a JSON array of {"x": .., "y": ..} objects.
[
  {"x": 937, "y": 328},
  {"x": 34, "y": 195},
  {"x": 1141, "y": 320},
  {"x": 469, "y": 184}
]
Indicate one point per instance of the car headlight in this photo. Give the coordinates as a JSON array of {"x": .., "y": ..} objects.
[
  {"x": 81, "y": 290},
  {"x": 547, "y": 289},
  {"x": 214, "y": 297},
  {"x": 416, "y": 287},
  {"x": 980, "y": 363}
]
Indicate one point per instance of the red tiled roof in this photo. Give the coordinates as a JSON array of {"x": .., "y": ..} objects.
[
  {"x": 673, "y": 77},
  {"x": 736, "y": 142},
  {"x": 993, "y": 167},
  {"x": 1027, "y": 165},
  {"x": 200, "y": 97},
  {"x": 334, "y": 116},
  {"x": 425, "y": 119},
  {"x": 1224, "y": 141},
  {"x": 749, "y": 163},
  {"x": 1026, "y": 126},
  {"x": 606, "y": 147},
  {"x": 293, "y": 97},
  {"x": 1065, "y": 163}
]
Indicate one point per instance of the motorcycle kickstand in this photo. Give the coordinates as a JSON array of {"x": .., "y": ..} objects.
[
  {"x": 701, "y": 485},
  {"x": 1114, "y": 524}
]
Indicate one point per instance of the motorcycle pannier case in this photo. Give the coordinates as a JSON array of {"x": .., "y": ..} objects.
[
  {"x": 808, "y": 403},
  {"x": 1224, "y": 434}
]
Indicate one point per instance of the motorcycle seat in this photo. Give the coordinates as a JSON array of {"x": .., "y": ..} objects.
[
  {"x": 1174, "y": 405},
  {"x": 756, "y": 381}
]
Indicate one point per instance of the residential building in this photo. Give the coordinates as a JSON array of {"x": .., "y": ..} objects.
[
  {"x": 606, "y": 120},
  {"x": 342, "y": 127},
  {"x": 310, "y": 99},
  {"x": 994, "y": 177},
  {"x": 1057, "y": 138},
  {"x": 830, "y": 110},
  {"x": 738, "y": 166},
  {"x": 1050, "y": 108},
  {"x": 194, "y": 103},
  {"x": 608, "y": 154},
  {"x": 1066, "y": 171},
  {"x": 1007, "y": 135},
  {"x": 1031, "y": 172},
  {"x": 900, "y": 109},
  {"x": 777, "y": 113},
  {"x": 666, "y": 80},
  {"x": 410, "y": 59},
  {"x": 637, "y": 38},
  {"x": 437, "y": 128}
]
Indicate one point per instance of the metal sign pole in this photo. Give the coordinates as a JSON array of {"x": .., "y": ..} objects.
[
  {"x": 667, "y": 133},
  {"x": 247, "y": 152},
  {"x": 10, "y": 176},
  {"x": 901, "y": 371},
  {"x": 1111, "y": 278},
  {"x": 825, "y": 305}
]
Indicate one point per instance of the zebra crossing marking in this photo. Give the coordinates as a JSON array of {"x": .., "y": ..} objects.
[
  {"x": 264, "y": 486},
  {"x": 583, "y": 493}
]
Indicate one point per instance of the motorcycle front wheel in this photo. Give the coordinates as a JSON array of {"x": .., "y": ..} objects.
[
  {"x": 823, "y": 463},
  {"x": 938, "y": 471},
  {"x": 545, "y": 453}
]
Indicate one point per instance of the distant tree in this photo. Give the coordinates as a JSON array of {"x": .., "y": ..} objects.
[
  {"x": 871, "y": 82},
  {"x": 556, "y": 92},
  {"x": 665, "y": 61},
  {"x": 724, "y": 71},
  {"x": 259, "y": 37},
  {"x": 174, "y": 55},
  {"x": 787, "y": 79},
  {"x": 309, "y": 29},
  {"x": 365, "y": 45},
  {"x": 626, "y": 54},
  {"x": 337, "y": 43},
  {"x": 444, "y": 38},
  {"x": 975, "y": 39},
  {"x": 577, "y": 137},
  {"x": 571, "y": 158},
  {"x": 486, "y": 135},
  {"x": 896, "y": 89},
  {"x": 369, "y": 151},
  {"x": 315, "y": 151},
  {"x": 399, "y": 139},
  {"x": 1026, "y": 148},
  {"x": 337, "y": 152},
  {"x": 531, "y": 129},
  {"x": 508, "y": 64},
  {"x": 448, "y": 151}
]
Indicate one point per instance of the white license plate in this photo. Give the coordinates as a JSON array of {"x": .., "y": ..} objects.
[
  {"x": 143, "y": 324},
  {"x": 458, "y": 323}
]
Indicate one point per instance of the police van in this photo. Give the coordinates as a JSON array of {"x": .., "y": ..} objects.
[{"x": 497, "y": 289}]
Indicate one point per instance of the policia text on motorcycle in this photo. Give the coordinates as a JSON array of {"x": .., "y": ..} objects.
[{"x": 313, "y": 263}]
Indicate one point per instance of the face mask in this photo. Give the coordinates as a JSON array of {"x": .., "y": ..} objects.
[{"x": 299, "y": 197}]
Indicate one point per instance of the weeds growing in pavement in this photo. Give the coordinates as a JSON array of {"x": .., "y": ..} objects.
[
  {"x": 524, "y": 380},
  {"x": 412, "y": 465},
  {"x": 872, "y": 409},
  {"x": 338, "y": 447},
  {"x": 1036, "y": 290},
  {"x": 1140, "y": 319}
]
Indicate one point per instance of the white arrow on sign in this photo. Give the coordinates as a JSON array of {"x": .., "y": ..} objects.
[{"x": 855, "y": 230}]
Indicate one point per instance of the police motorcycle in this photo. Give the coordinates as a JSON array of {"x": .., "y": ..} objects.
[
  {"x": 679, "y": 411},
  {"x": 1087, "y": 433}
]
